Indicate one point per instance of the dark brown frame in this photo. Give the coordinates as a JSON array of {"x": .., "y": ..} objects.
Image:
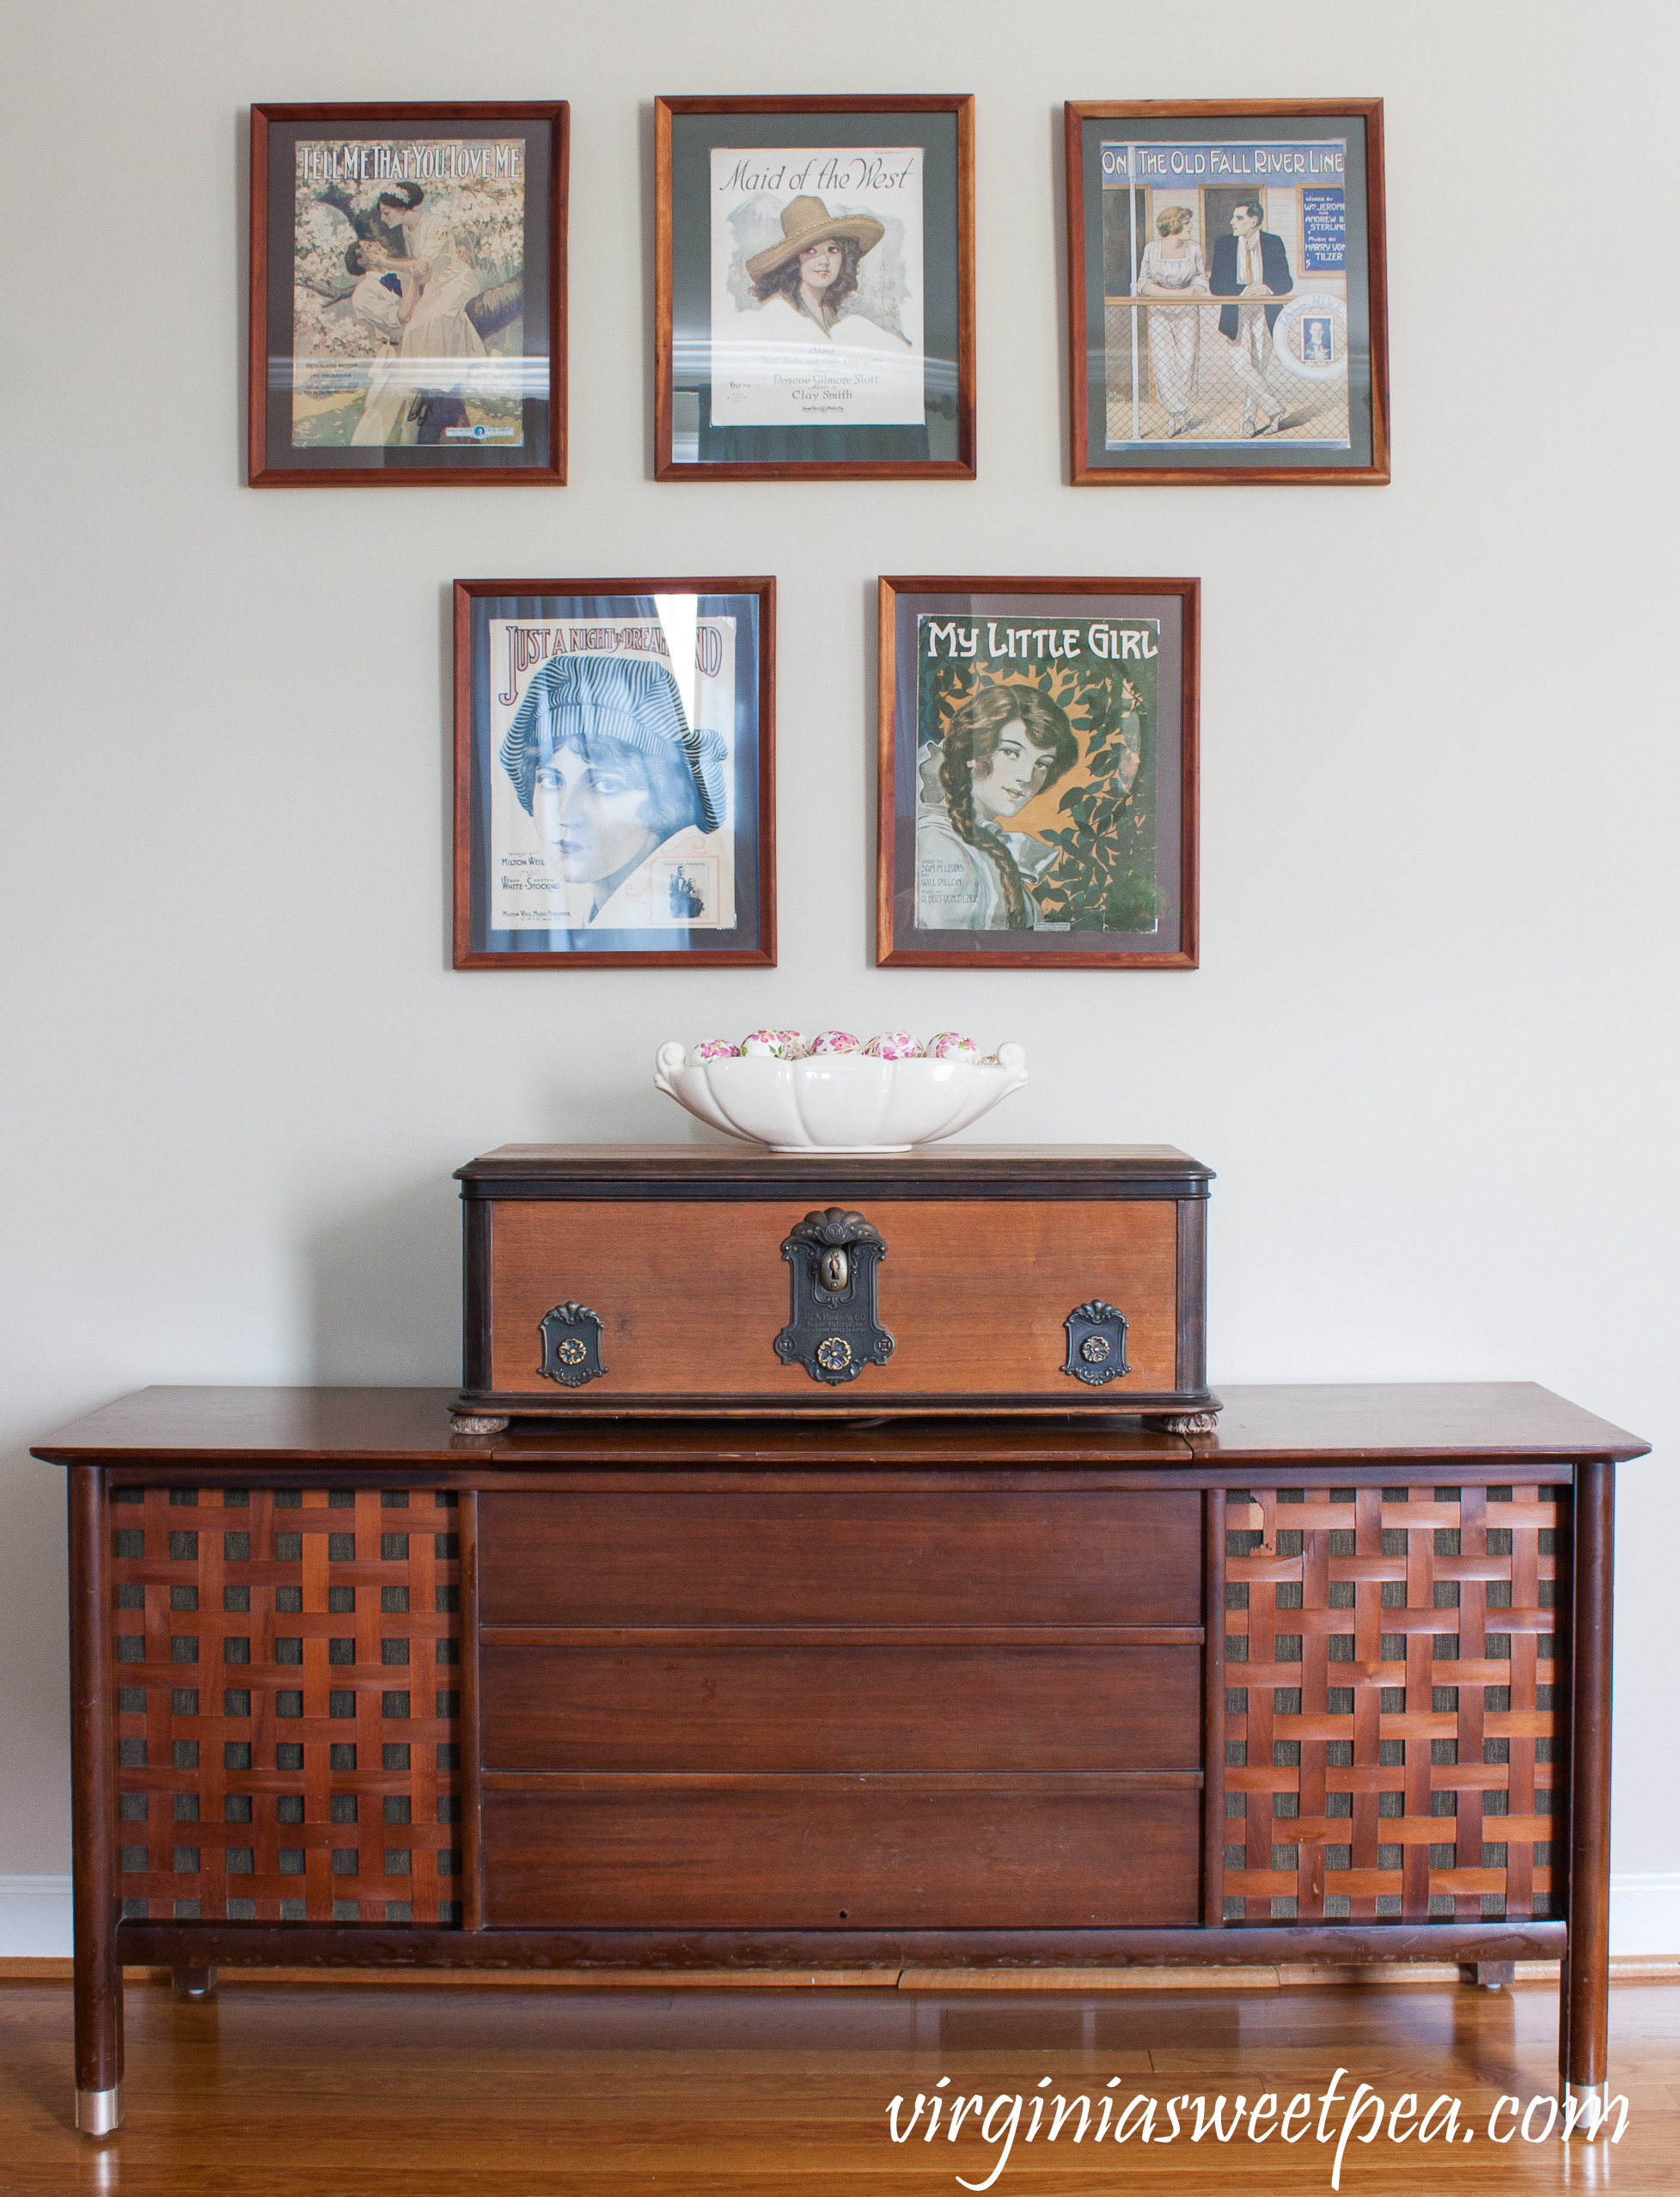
[
  {"x": 1081, "y": 473},
  {"x": 888, "y": 953},
  {"x": 962, "y": 468},
  {"x": 761, "y": 956},
  {"x": 366, "y": 116}
]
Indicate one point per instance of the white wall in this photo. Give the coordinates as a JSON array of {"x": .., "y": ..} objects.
[{"x": 1431, "y": 1047}]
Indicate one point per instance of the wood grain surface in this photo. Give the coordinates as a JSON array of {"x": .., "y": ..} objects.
[
  {"x": 700, "y": 1559},
  {"x": 692, "y": 1297},
  {"x": 635, "y": 1707},
  {"x": 989, "y": 1850},
  {"x": 962, "y": 592},
  {"x": 1367, "y": 115},
  {"x": 1476, "y": 1424},
  {"x": 733, "y": 1169},
  {"x": 1509, "y": 1419},
  {"x": 401, "y": 467},
  {"x": 960, "y": 106},
  {"x": 1390, "y": 1731},
  {"x": 516, "y": 598},
  {"x": 843, "y": 1947},
  {"x": 270, "y": 2089}
]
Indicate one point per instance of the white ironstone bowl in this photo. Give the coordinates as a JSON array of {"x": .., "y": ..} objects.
[{"x": 837, "y": 1102}]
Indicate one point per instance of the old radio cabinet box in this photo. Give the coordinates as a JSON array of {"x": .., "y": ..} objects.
[{"x": 636, "y": 1279}]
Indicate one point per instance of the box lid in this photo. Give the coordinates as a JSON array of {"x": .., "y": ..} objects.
[{"x": 956, "y": 1170}]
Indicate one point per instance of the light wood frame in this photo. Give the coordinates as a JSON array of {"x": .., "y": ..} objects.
[
  {"x": 267, "y": 472},
  {"x": 888, "y": 952},
  {"x": 961, "y": 106},
  {"x": 1081, "y": 473},
  {"x": 763, "y": 956}
]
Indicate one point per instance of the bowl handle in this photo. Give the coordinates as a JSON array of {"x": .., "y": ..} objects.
[
  {"x": 1012, "y": 1060},
  {"x": 670, "y": 1057}
]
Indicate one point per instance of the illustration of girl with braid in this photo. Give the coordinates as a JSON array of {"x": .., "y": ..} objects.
[{"x": 1000, "y": 750}]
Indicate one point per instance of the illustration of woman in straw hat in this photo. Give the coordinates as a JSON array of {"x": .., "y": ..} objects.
[
  {"x": 804, "y": 282},
  {"x": 802, "y": 293}
]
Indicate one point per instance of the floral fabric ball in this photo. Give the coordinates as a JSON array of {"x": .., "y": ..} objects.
[
  {"x": 714, "y": 1048},
  {"x": 894, "y": 1044},
  {"x": 836, "y": 1041}
]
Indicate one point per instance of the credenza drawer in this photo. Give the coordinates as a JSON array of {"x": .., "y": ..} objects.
[
  {"x": 835, "y": 1852},
  {"x": 1087, "y": 1557},
  {"x": 701, "y": 1708}
]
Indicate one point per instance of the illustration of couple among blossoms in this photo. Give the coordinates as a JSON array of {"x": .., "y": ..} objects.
[{"x": 408, "y": 313}]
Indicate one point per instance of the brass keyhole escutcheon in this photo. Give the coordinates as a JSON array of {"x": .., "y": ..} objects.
[{"x": 832, "y": 1329}]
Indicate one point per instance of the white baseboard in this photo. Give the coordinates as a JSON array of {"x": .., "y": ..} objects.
[
  {"x": 35, "y": 1919},
  {"x": 1645, "y": 1913}
]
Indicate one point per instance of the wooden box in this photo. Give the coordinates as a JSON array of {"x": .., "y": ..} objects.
[{"x": 616, "y": 1279}]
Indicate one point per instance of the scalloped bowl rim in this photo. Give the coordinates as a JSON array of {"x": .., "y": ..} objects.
[{"x": 801, "y": 1107}]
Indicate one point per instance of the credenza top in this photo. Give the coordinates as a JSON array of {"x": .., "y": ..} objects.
[{"x": 193, "y": 1429}]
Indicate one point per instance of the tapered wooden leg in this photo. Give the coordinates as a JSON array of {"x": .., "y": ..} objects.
[
  {"x": 99, "y": 1978},
  {"x": 1584, "y": 2011}
]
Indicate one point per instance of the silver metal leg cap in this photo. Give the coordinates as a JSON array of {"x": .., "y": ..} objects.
[
  {"x": 1591, "y": 2102},
  {"x": 98, "y": 2112}
]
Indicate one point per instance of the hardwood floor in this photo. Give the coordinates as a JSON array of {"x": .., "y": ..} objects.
[{"x": 267, "y": 2090}]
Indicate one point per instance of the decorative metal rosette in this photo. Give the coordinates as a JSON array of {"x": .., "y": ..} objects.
[
  {"x": 1095, "y": 1343},
  {"x": 571, "y": 1345}
]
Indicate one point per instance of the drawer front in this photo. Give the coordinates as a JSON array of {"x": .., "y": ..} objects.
[
  {"x": 691, "y": 1296},
  {"x": 829, "y": 1853},
  {"x": 698, "y": 1708},
  {"x": 1092, "y": 1557}
]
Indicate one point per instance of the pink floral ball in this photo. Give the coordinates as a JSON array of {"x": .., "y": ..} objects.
[
  {"x": 836, "y": 1041},
  {"x": 951, "y": 1045},
  {"x": 764, "y": 1044},
  {"x": 714, "y": 1048},
  {"x": 793, "y": 1042},
  {"x": 894, "y": 1044}
]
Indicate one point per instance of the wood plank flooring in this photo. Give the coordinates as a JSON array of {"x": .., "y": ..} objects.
[{"x": 270, "y": 2089}]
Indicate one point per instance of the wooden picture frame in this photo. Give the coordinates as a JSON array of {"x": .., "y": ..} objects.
[
  {"x": 614, "y": 773},
  {"x": 407, "y": 295},
  {"x": 1088, "y": 830},
  {"x": 1165, "y": 394},
  {"x": 882, "y": 388}
]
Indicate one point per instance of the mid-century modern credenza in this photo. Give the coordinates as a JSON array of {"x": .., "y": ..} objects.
[{"x": 1329, "y": 1681}]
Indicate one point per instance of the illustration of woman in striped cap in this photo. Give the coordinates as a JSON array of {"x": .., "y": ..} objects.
[{"x": 606, "y": 765}]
